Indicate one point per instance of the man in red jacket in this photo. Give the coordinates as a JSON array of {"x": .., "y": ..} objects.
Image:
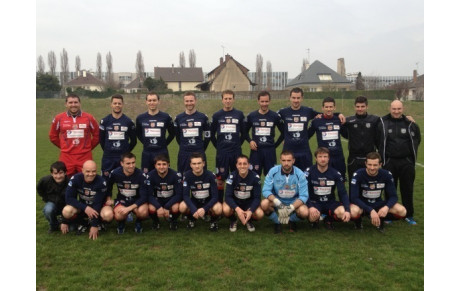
[{"x": 76, "y": 133}]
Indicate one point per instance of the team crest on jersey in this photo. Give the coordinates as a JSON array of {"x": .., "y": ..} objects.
[
  {"x": 296, "y": 119},
  {"x": 126, "y": 186},
  {"x": 190, "y": 124},
  {"x": 368, "y": 125},
  {"x": 242, "y": 188},
  {"x": 262, "y": 123},
  {"x": 199, "y": 186},
  {"x": 74, "y": 126},
  {"x": 86, "y": 192},
  {"x": 371, "y": 186},
  {"x": 116, "y": 127},
  {"x": 106, "y": 173},
  {"x": 329, "y": 127},
  {"x": 403, "y": 130},
  {"x": 256, "y": 167},
  {"x": 286, "y": 187},
  {"x": 152, "y": 124},
  {"x": 163, "y": 187},
  {"x": 355, "y": 125},
  {"x": 228, "y": 120},
  {"x": 322, "y": 183},
  {"x": 146, "y": 170},
  {"x": 222, "y": 170},
  {"x": 390, "y": 130}
]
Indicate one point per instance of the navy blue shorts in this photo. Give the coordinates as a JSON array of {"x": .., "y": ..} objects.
[
  {"x": 225, "y": 164},
  {"x": 327, "y": 207},
  {"x": 262, "y": 160},
  {"x": 147, "y": 163},
  {"x": 183, "y": 162},
  {"x": 108, "y": 164},
  {"x": 376, "y": 206},
  {"x": 161, "y": 200}
]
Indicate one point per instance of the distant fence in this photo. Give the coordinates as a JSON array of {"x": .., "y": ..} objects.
[{"x": 243, "y": 95}]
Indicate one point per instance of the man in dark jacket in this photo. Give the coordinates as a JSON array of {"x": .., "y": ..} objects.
[
  {"x": 399, "y": 139},
  {"x": 52, "y": 190}
]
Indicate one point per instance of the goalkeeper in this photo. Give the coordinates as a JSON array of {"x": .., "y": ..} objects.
[{"x": 286, "y": 192}]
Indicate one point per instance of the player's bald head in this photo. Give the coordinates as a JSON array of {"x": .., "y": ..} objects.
[
  {"x": 396, "y": 109},
  {"x": 396, "y": 103},
  {"x": 89, "y": 165}
]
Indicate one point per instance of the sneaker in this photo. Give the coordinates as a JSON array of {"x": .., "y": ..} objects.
[
  {"x": 81, "y": 229},
  {"x": 386, "y": 221},
  {"x": 184, "y": 218},
  {"x": 277, "y": 228},
  {"x": 322, "y": 217},
  {"x": 250, "y": 226},
  {"x": 172, "y": 225},
  {"x": 121, "y": 227},
  {"x": 191, "y": 224},
  {"x": 213, "y": 226},
  {"x": 359, "y": 223},
  {"x": 138, "y": 227},
  {"x": 410, "y": 220},
  {"x": 292, "y": 226},
  {"x": 233, "y": 226}
]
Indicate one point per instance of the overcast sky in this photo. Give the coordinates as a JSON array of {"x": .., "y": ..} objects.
[{"x": 379, "y": 38}]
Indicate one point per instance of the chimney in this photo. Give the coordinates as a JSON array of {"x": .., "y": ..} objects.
[
  {"x": 341, "y": 67},
  {"x": 415, "y": 76},
  {"x": 227, "y": 57},
  {"x": 78, "y": 73},
  {"x": 221, "y": 60},
  {"x": 84, "y": 73}
]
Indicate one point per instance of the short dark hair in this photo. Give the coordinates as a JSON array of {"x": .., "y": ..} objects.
[
  {"x": 264, "y": 93},
  {"x": 296, "y": 90},
  {"x": 322, "y": 150},
  {"x": 189, "y": 93},
  {"x": 152, "y": 93},
  {"x": 242, "y": 156},
  {"x": 116, "y": 96},
  {"x": 373, "y": 156},
  {"x": 196, "y": 155},
  {"x": 328, "y": 99},
  {"x": 161, "y": 157},
  {"x": 72, "y": 95},
  {"x": 127, "y": 155},
  {"x": 361, "y": 99},
  {"x": 287, "y": 152},
  {"x": 228, "y": 92},
  {"x": 58, "y": 166}
]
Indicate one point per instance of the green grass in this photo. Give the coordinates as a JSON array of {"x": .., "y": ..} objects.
[{"x": 199, "y": 259}]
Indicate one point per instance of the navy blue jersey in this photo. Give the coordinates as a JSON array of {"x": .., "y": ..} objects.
[
  {"x": 201, "y": 189},
  {"x": 169, "y": 187},
  {"x": 367, "y": 191},
  {"x": 361, "y": 132},
  {"x": 80, "y": 194},
  {"x": 131, "y": 189},
  {"x": 192, "y": 131},
  {"x": 229, "y": 127},
  {"x": 117, "y": 136},
  {"x": 327, "y": 134},
  {"x": 321, "y": 186},
  {"x": 243, "y": 190},
  {"x": 263, "y": 128},
  {"x": 295, "y": 127},
  {"x": 151, "y": 130}
]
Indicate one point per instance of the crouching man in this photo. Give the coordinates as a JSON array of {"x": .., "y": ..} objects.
[
  {"x": 367, "y": 188},
  {"x": 85, "y": 195},
  {"x": 242, "y": 196},
  {"x": 132, "y": 193},
  {"x": 286, "y": 192},
  {"x": 200, "y": 193}
]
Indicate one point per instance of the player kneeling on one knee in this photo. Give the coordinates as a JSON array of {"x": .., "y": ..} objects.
[
  {"x": 322, "y": 182},
  {"x": 242, "y": 196},
  {"x": 286, "y": 192},
  {"x": 200, "y": 193},
  {"x": 132, "y": 192},
  {"x": 164, "y": 192},
  {"x": 85, "y": 195},
  {"x": 367, "y": 188}
]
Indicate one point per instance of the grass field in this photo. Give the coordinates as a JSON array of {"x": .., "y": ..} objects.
[{"x": 198, "y": 259}]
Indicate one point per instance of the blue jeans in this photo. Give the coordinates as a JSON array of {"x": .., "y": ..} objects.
[{"x": 50, "y": 212}]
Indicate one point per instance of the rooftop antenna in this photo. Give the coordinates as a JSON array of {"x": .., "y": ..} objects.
[
  {"x": 308, "y": 55},
  {"x": 223, "y": 52}
]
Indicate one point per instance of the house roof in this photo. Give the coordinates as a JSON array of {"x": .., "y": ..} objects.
[
  {"x": 217, "y": 70},
  {"x": 134, "y": 84},
  {"x": 173, "y": 74},
  {"x": 88, "y": 80},
  {"x": 311, "y": 75}
]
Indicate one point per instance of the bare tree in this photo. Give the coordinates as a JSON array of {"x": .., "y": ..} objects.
[
  {"x": 182, "y": 60},
  {"x": 140, "y": 66},
  {"x": 77, "y": 64},
  {"x": 64, "y": 67},
  {"x": 109, "y": 74},
  {"x": 192, "y": 59},
  {"x": 99, "y": 66},
  {"x": 259, "y": 66},
  {"x": 52, "y": 63},
  {"x": 40, "y": 65},
  {"x": 359, "y": 82},
  {"x": 269, "y": 75}
]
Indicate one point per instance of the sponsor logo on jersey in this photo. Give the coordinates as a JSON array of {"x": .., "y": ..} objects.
[
  {"x": 368, "y": 125},
  {"x": 403, "y": 130}
]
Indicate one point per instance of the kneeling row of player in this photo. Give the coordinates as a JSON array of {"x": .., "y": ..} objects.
[{"x": 286, "y": 191}]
